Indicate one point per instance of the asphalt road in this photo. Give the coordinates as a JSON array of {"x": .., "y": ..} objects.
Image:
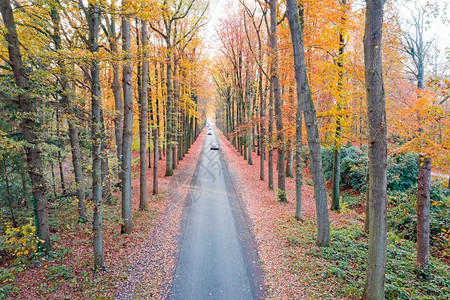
[{"x": 217, "y": 259}]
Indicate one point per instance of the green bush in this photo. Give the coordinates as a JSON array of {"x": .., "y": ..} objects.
[
  {"x": 353, "y": 166},
  {"x": 59, "y": 272},
  {"x": 19, "y": 242},
  {"x": 402, "y": 216},
  {"x": 401, "y": 169},
  {"x": 327, "y": 162},
  {"x": 351, "y": 201},
  {"x": 7, "y": 281},
  {"x": 347, "y": 262}
]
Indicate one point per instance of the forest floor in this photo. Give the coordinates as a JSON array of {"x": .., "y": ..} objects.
[{"x": 140, "y": 263}]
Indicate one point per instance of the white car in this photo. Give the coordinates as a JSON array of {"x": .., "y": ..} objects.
[{"x": 214, "y": 146}]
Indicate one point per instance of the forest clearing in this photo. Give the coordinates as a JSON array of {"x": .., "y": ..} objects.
[{"x": 214, "y": 149}]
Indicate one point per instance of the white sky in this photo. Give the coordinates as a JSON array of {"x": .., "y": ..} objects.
[
  {"x": 217, "y": 11},
  {"x": 437, "y": 29}
]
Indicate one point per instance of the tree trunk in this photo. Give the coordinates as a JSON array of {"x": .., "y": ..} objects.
[
  {"x": 169, "y": 114},
  {"x": 143, "y": 121},
  {"x": 367, "y": 210},
  {"x": 156, "y": 152},
  {"x": 53, "y": 179},
  {"x": 117, "y": 91},
  {"x": 27, "y": 106},
  {"x": 78, "y": 171},
  {"x": 61, "y": 173},
  {"x": 249, "y": 137},
  {"x": 423, "y": 212},
  {"x": 23, "y": 175},
  {"x": 160, "y": 111},
  {"x": 127, "y": 225},
  {"x": 376, "y": 265},
  {"x": 152, "y": 125},
  {"x": 262, "y": 128},
  {"x": 298, "y": 159},
  {"x": 155, "y": 161},
  {"x": 93, "y": 19},
  {"x": 106, "y": 177},
  {"x": 175, "y": 116},
  {"x": 275, "y": 78},
  {"x": 118, "y": 120},
  {"x": 336, "y": 177},
  {"x": 118, "y": 102},
  {"x": 8, "y": 194},
  {"x": 75, "y": 148},
  {"x": 290, "y": 161},
  {"x": 270, "y": 138},
  {"x": 307, "y": 105}
]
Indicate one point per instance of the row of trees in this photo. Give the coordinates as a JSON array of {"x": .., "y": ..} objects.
[
  {"x": 72, "y": 75},
  {"x": 273, "y": 73}
]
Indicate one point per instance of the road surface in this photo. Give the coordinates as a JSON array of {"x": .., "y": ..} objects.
[{"x": 217, "y": 259}]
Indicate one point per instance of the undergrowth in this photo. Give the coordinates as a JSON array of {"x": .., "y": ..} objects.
[
  {"x": 340, "y": 270},
  {"x": 70, "y": 238}
]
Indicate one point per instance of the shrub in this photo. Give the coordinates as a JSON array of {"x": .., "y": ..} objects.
[
  {"x": 347, "y": 261},
  {"x": 353, "y": 166},
  {"x": 402, "y": 216},
  {"x": 280, "y": 194},
  {"x": 402, "y": 169},
  {"x": 21, "y": 241},
  {"x": 327, "y": 162},
  {"x": 351, "y": 201},
  {"x": 59, "y": 272}
]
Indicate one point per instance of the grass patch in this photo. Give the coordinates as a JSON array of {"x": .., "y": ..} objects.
[
  {"x": 351, "y": 201},
  {"x": 7, "y": 279},
  {"x": 339, "y": 270}
]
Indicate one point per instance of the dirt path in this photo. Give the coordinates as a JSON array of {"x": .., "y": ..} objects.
[{"x": 440, "y": 175}]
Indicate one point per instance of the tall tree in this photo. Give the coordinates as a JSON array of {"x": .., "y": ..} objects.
[
  {"x": 28, "y": 106},
  {"x": 143, "y": 120},
  {"x": 113, "y": 38},
  {"x": 93, "y": 19},
  {"x": 127, "y": 225},
  {"x": 275, "y": 79},
  {"x": 67, "y": 99},
  {"x": 166, "y": 27},
  {"x": 106, "y": 176},
  {"x": 307, "y": 105},
  {"x": 298, "y": 120},
  {"x": 258, "y": 56},
  {"x": 376, "y": 107},
  {"x": 417, "y": 48},
  {"x": 423, "y": 211},
  {"x": 339, "y": 107},
  {"x": 249, "y": 136},
  {"x": 156, "y": 152}
]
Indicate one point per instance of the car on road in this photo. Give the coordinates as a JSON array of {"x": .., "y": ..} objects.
[
  {"x": 209, "y": 133},
  {"x": 214, "y": 146}
]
